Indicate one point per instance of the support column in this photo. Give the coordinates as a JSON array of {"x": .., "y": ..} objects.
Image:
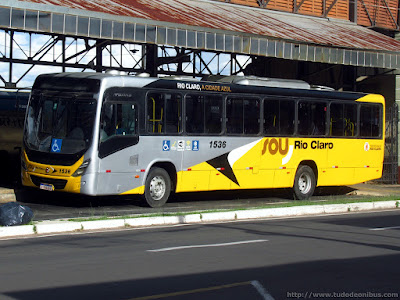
[
  {"x": 10, "y": 83},
  {"x": 150, "y": 59},
  {"x": 63, "y": 53},
  {"x": 99, "y": 56},
  {"x": 397, "y": 100}
]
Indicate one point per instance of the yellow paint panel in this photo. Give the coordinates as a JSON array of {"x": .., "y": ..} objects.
[
  {"x": 284, "y": 178},
  {"x": 138, "y": 190},
  {"x": 195, "y": 179},
  {"x": 52, "y": 172},
  {"x": 337, "y": 176},
  {"x": 249, "y": 180},
  {"x": 272, "y": 163},
  {"x": 370, "y": 173},
  {"x": 372, "y": 98},
  {"x": 218, "y": 181}
]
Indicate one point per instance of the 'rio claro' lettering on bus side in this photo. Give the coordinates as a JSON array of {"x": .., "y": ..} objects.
[
  {"x": 188, "y": 86},
  {"x": 313, "y": 145}
]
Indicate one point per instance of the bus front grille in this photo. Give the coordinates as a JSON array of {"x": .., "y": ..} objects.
[{"x": 57, "y": 183}]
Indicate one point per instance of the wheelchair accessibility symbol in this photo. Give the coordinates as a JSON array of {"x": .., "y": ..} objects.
[
  {"x": 166, "y": 145},
  {"x": 56, "y": 145}
]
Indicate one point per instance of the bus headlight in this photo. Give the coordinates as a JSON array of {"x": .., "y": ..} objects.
[{"x": 81, "y": 170}]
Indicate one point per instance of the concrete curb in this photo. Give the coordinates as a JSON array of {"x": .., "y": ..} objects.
[
  {"x": 7, "y": 195},
  {"x": 60, "y": 226}
]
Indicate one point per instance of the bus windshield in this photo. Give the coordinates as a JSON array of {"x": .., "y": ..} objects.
[{"x": 60, "y": 122}]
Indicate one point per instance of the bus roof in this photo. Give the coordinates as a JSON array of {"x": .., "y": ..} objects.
[{"x": 246, "y": 85}]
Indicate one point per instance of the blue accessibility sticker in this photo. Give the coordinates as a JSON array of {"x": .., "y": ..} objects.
[
  {"x": 195, "y": 145},
  {"x": 166, "y": 145},
  {"x": 56, "y": 145}
]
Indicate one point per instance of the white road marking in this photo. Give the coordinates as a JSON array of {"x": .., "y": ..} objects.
[
  {"x": 261, "y": 290},
  {"x": 206, "y": 245},
  {"x": 385, "y": 228}
]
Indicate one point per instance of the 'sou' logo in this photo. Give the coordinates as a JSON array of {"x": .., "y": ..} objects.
[
  {"x": 49, "y": 169},
  {"x": 274, "y": 145}
]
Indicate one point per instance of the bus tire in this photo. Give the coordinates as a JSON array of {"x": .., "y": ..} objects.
[
  {"x": 304, "y": 183},
  {"x": 157, "y": 187}
]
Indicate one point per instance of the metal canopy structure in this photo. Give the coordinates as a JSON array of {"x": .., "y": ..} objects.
[{"x": 207, "y": 25}]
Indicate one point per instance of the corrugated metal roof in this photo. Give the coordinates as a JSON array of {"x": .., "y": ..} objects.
[{"x": 226, "y": 27}]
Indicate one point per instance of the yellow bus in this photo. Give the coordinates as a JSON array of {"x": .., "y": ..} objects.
[{"x": 104, "y": 134}]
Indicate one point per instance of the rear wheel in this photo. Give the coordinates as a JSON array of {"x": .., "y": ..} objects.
[
  {"x": 304, "y": 183},
  {"x": 157, "y": 187}
]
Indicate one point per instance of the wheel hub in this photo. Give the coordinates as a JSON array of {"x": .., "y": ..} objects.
[
  {"x": 304, "y": 183},
  {"x": 157, "y": 188}
]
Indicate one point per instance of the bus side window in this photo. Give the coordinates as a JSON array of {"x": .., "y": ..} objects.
[
  {"x": 370, "y": 116},
  {"x": 304, "y": 118},
  {"x": 155, "y": 113},
  {"x": 311, "y": 117},
  {"x": 251, "y": 116},
  {"x": 319, "y": 114},
  {"x": 118, "y": 119},
  {"x": 128, "y": 122},
  {"x": 213, "y": 114},
  {"x": 243, "y": 116},
  {"x": 350, "y": 119},
  {"x": 204, "y": 114},
  {"x": 234, "y": 116},
  {"x": 343, "y": 119},
  {"x": 336, "y": 127},
  {"x": 279, "y": 117},
  {"x": 164, "y": 113},
  {"x": 286, "y": 117},
  {"x": 173, "y": 114},
  {"x": 194, "y": 113},
  {"x": 271, "y": 117}
]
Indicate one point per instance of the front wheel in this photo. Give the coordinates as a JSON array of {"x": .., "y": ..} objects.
[
  {"x": 304, "y": 183},
  {"x": 157, "y": 187}
]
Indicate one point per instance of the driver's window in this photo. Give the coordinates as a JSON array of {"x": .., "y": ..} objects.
[{"x": 118, "y": 119}]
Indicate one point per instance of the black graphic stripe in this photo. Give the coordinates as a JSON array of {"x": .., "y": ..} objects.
[{"x": 221, "y": 163}]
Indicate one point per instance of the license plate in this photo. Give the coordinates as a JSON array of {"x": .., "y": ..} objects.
[{"x": 47, "y": 187}]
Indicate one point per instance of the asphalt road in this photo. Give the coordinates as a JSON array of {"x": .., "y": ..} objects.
[
  {"x": 346, "y": 256},
  {"x": 52, "y": 205}
]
